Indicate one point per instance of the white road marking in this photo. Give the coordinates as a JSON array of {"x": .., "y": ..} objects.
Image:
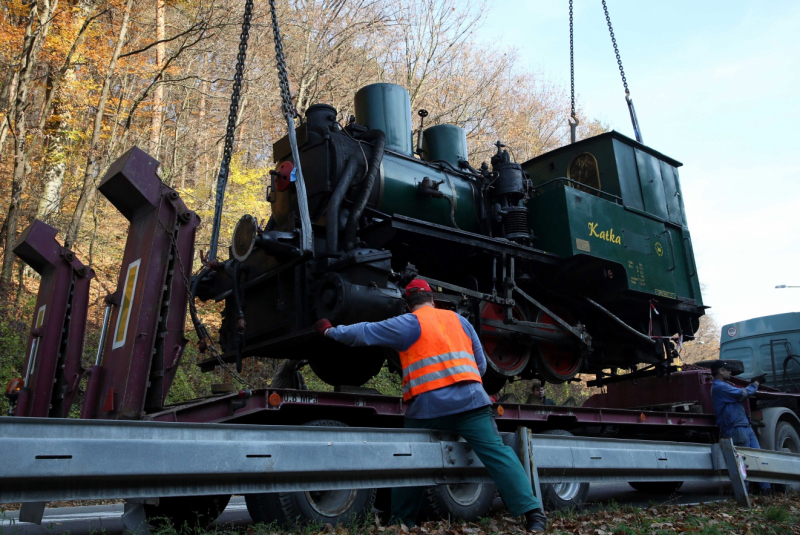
[{"x": 78, "y": 516}]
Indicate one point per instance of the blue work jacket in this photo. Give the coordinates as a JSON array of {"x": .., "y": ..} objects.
[{"x": 729, "y": 407}]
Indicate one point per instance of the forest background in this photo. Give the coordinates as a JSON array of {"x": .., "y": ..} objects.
[{"x": 82, "y": 81}]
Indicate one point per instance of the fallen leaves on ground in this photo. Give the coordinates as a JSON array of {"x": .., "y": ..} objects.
[{"x": 769, "y": 515}]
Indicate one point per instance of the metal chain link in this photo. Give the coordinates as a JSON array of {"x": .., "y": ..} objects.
[
  {"x": 283, "y": 75},
  {"x": 233, "y": 113},
  {"x": 616, "y": 49},
  {"x": 573, "y": 118},
  {"x": 629, "y": 101},
  {"x": 571, "y": 62}
]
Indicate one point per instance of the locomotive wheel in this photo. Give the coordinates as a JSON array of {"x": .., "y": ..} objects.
[
  {"x": 186, "y": 513},
  {"x": 333, "y": 507},
  {"x": 557, "y": 363},
  {"x": 568, "y": 495},
  {"x": 465, "y": 501},
  {"x": 350, "y": 366},
  {"x": 505, "y": 358}
]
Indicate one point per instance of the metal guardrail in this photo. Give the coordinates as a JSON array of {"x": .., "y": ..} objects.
[
  {"x": 63, "y": 459},
  {"x": 579, "y": 459}
]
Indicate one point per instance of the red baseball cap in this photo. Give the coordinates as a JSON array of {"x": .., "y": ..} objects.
[{"x": 417, "y": 285}]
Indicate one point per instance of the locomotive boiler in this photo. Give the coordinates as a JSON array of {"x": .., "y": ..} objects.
[{"x": 577, "y": 261}]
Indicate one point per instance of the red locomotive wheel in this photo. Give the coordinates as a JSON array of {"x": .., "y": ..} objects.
[
  {"x": 505, "y": 356},
  {"x": 557, "y": 363}
]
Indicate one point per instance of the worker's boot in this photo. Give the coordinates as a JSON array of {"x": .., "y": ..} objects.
[{"x": 535, "y": 521}]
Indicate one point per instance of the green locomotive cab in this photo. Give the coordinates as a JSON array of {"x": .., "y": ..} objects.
[{"x": 612, "y": 198}]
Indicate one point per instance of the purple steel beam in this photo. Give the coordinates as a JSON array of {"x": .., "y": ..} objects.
[
  {"x": 692, "y": 386},
  {"x": 53, "y": 355},
  {"x": 146, "y": 328},
  {"x": 265, "y": 406}
]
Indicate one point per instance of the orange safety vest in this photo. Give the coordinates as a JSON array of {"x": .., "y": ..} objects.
[{"x": 441, "y": 357}]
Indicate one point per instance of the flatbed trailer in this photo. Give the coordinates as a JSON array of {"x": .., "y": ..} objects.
[{"x": 270, "y": 406}]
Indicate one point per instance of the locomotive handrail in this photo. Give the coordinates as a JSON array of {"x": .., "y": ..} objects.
[
  {"x": 692, "y": 268},
  {"x": 672, "y": 250},
  {"x": 600, "y": 193}
]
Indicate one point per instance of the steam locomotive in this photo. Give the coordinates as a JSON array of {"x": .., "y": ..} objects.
[{"x": 577, "y": 261}]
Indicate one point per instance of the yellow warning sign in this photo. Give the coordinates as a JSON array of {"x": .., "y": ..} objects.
[
  {"x": 121, "y": 331},
  {"x": 40, "y": 316}
]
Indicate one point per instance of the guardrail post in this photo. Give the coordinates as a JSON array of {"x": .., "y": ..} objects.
[
  {"x": 134, "y": 519},
  {"x": 32, "y": 512},
  {"x": 537, "y": 489},
  {"x": 735, "y": 471},
  {"x": 526, "y": 457}
]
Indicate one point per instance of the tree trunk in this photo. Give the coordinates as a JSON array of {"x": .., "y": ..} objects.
[
  {"x": 89, "y": 187},
  {"x": 41, "y": 11},
  {"x": 55, "y": 169},
  {"x": 8, "y": 100},
  {"x": 158, "y": 93}
]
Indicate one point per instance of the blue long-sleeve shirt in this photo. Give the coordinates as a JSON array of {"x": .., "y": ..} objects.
[
  {"x": 729, "y": 407},
  {"x": 400, "y": 333}
]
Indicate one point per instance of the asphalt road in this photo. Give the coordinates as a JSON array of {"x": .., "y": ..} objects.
[{"x": 106, "y": 519}]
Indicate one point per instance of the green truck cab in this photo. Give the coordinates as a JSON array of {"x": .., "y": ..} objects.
[{"x": 768, "y": 345}]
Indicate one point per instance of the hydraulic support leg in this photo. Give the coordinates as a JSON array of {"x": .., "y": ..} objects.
[
  {"x": 53, "y": 357},
  {"x": 145, "y": 328}
]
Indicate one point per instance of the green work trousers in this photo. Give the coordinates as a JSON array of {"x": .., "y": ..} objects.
[{"x": 477, "y": 427}]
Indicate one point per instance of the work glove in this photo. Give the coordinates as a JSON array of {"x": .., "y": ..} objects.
[
  {"x": 761, "y": 379},
  {"x": 322, "y": 326}
]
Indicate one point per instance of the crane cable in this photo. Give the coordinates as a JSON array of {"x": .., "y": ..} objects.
[
  {"x": 636, "y": 130},
  {"x": 289, "y": 113}
]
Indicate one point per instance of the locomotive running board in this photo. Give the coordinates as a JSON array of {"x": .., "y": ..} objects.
[{"x": 384, "y": 232}]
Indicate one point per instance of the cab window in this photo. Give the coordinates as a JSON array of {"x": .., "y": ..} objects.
[{"x": 583, "y": 171}]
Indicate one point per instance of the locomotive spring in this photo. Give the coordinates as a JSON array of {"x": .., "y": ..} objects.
[{"x": 515, "y": 225}]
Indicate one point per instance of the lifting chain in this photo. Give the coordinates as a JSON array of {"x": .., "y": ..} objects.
[
  {"x": 289, "y": 113},
  {"x": 233, "y": 113},
  {"x": 637, "y": 132},
  {"x": 616, "y": 49},
  {"x": 573, "y": 119}
]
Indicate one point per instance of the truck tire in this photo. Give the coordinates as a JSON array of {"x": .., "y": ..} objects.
[
  {"x": 656, "y": 487},
  {"x": 186, "y": 513},
  {"x": 787, "y": 440},
  {"x": 311, "y": 507},
  {"x": 557, "y": 496},
  {"x": 464, "y": 501}
]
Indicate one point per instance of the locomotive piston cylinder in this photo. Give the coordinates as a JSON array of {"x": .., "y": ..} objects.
[{"x": 343, "y": 302}]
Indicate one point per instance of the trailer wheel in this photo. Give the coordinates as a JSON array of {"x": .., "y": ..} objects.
[
  {"x": 656, "y": 487},
  {"x": 787, "y": 440},
  {"x": 567, "y": 495},
  {"x": 322, "y": 507},
  {"x": 186, "y": 512},
  {"x": 464, "y": 501}
]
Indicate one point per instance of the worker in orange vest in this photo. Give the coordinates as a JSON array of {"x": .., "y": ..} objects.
[{"x": 443, "y": 362}]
